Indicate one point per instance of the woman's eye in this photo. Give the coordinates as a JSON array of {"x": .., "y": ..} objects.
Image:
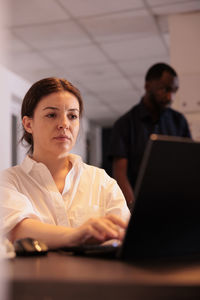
[
  {"x": 53, "y": 115},
  {"x": 73, "y": 116}
]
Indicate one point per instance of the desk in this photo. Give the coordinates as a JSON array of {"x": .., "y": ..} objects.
[{"x": 62, "y": 276}]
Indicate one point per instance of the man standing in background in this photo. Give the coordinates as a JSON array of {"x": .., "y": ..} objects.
[{"x": 152, "y": 115}]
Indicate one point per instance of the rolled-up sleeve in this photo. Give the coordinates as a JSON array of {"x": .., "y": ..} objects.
[{"x": 14, "y": 208}]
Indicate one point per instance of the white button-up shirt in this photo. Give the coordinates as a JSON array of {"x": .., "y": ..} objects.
[{"x": 29, "y": 191}]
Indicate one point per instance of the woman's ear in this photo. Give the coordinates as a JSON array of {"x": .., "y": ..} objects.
[{"x": 27, "y": 123}]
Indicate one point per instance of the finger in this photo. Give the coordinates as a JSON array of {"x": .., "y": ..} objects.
[
  {"x": 120, "y": 231},
  {"x": 117, "y": 220},
  {"x": 121, "y": 234},
  {"x": 106, "y": 227},
  {"x": 109, "y": 223},
  {"x": 89, "y": 232},
  {"x": 117, "y": 228}
]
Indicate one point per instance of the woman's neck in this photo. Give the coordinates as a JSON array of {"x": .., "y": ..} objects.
[{"x": 55, "y": 164}]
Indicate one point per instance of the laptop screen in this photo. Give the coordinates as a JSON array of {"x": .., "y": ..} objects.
[{"x": 166, "y": 215}]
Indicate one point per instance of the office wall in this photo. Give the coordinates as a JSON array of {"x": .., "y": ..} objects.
[
  {"x": 3, "y": 284},
  {"x": 14, "y": 87},
  {"x": 185, "y": 57},
  {"x": 94, "y": 145},
  {"x": 89, "y": 143},
  {"x": 81, "y": 145}
]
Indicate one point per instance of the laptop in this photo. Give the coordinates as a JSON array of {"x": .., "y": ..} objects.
[{"x": 165, "y": 219}]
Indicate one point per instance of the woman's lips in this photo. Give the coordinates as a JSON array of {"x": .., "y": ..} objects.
[{"x": 62, "y": 138}]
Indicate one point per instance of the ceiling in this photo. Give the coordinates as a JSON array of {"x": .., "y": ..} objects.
[{"x": 104, "y": 47}]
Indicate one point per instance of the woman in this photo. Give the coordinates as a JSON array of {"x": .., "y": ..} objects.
[{"x": 53, "y": 196}]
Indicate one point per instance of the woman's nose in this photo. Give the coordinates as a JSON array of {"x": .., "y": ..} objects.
[{"x": 63, "y": 123}]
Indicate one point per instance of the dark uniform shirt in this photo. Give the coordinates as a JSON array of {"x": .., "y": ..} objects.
[{"x": 131, "y": 133}]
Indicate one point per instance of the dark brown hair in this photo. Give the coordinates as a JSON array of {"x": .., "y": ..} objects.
[
  {"x": 41, "y": 89},
  {"x": 156, "y": 71}
]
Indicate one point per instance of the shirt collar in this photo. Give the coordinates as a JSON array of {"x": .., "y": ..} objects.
[{"x": 28, "y": 163}]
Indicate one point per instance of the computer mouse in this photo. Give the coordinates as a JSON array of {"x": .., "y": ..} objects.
[{"x": 29, "y": 247}]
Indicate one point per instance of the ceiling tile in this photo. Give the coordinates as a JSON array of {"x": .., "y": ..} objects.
[
  {"x": 14, "y": 44},
  {"x": 67, "y": 57},
  {"x": 175, "y": 8},
  {"x": 116, "y": 84},
  {"x": 90, "y": 101},
  {"x": 139, "y": 82},
  {"x": 88, "y": 74},
  {"x": 29, "y": 61},
  {"x": 162, "y": 22},
  {"x": 104, "y": 47},
  {"x": 39, "y": 73},
  {"x": 120, "y": 26},
  {"x": 25, "y": 12},
  {"x": 166, "y": 37},
  {"x": 123, "y": 96},
  {"x": 53, "y": 35},
  {"x": 134, "y": 49},
  {"x": 164, "y": 2},
  {"x": 96, "y": 7},
  {"x": 125, "y": 104}
]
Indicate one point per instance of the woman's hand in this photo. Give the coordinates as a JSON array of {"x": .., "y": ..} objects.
[
  {"x": 95, "y": 230},
  {"x": 98, "y": 230}
]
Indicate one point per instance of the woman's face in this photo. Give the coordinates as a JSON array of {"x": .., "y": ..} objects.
[{"x": 55, "y": 124}]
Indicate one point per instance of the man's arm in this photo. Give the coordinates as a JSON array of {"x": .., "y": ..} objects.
[{"x": 120, "y": 166}]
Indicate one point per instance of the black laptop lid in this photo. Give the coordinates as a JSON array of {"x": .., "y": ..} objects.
[{"x": 166, "y": 216}]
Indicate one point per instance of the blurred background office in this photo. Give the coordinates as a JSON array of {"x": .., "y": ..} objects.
[{"x": 104, "y": 47}]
